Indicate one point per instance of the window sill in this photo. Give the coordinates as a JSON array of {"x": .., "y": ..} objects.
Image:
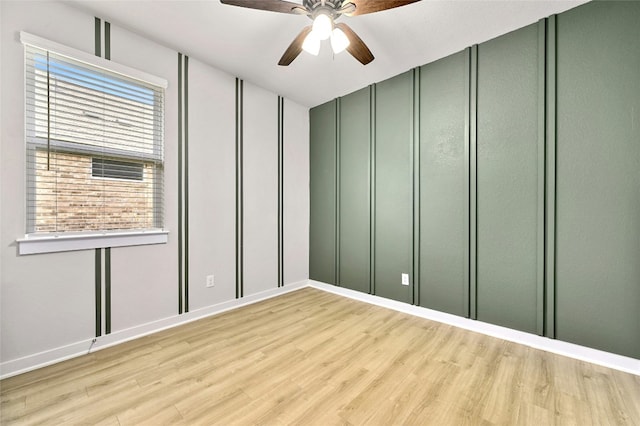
[{"x": 34, "y": 244}]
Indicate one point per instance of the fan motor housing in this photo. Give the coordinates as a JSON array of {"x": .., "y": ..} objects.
[
  {"x": 330, "y": 8},
  {"x": 311, "y": 5}
]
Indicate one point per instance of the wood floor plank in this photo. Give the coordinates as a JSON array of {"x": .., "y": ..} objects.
[{"x": 315, "y": 358}]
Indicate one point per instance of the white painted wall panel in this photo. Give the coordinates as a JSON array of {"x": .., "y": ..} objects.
[
  {"x": 144, "y": 284},
  {"x": 144, "y": 279},
  {"x": 260, "y": 173},
  {"x": 296, "y": 192},
  {"x": 211, "y": 185},
  {"x": 45, "y": 300}
]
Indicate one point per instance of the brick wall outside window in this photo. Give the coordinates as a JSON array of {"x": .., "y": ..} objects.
[{"x": 87, "y": 203}]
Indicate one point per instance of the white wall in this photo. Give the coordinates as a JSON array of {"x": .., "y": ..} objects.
[
  {"x": 212, "y": 174},
  {"x": 296, "y": 192},
  {"x": 47, "y": 300},
  {"x": 260, "y": 176},
  {"x": 143, "y": 277}
]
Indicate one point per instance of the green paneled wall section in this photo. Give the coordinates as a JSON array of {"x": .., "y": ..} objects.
[
  {"x": 354, "y": 218},
  {"x": 506, "y": 177},
  {"x": 443, "y": 185},
  {"x": 507, "y": 180},
  {"x": 598, "y": 177},
  {"x": 322, "y": 170},
  {"x": 393, "y": 187}
]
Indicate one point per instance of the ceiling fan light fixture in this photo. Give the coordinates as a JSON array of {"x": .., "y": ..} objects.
[
  {"x": 339, "y": 40},
  {"x": 324, "y": 13},
  {"x": 311, "y": 44},
  {"x": 322, "y": 26}
]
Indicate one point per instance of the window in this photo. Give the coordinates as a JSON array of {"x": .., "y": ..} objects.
[{"x": 94, "y": 146}]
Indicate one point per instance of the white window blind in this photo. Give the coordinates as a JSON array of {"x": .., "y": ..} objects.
[{"x": 94, "y": 141}]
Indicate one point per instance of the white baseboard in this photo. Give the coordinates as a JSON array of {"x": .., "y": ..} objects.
[
  {"x": 42, "y": 359},
  {"x": 594, "y": 356},
  {"x": 52, "y": 356}
]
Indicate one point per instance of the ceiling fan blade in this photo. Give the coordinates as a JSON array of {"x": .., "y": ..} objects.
[
  {"x": 356, "y": 47},
  {"x": 294, "y": 48},
  {"x": 270, "y": 5},
  {"x": 371, "y": 6}
]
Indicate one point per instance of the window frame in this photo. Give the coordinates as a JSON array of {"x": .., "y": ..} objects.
[{"x": 33, "y": 243}]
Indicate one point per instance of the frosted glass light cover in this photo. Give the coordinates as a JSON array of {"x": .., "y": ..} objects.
[
  {"x": 322, "y": 26},
  {"x": 311, "y": 44},
  {"x": 339, "y": 40}
]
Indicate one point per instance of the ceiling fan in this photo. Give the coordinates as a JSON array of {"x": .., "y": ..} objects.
[{"x": 324, "y": 13}]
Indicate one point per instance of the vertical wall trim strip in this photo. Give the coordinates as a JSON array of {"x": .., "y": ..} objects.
[
  {"x": 239, "y": 189},
  {"x": 107, "y": 40},
  {"x": 282, "y": 194},
  {"x": 473, "y": 184},
  {"x": 540, "y": 251},
  {"x": 107, "y": 290},
  {"x": 279, "y": 196},
  {"x": 107, "y": 251},
  {"x": 97, "y": 35},
  {"x": 467, "y": 180},
  {"x": 48, "y": 112},
  {"x": 372, "y": 189},
  {"x": 280, "y": 191},
  {"x": 183, "y": 184},
  {"x": 416, "y": 186},
  {"x": 98, "y": 252},
  {"x": 98, "y": 291},
  {"x": 550, "y": 231},
  {"x": 337, "y": 193},
  {"x": 180, "y": 183},
  {"x": 185, "y": 128}
]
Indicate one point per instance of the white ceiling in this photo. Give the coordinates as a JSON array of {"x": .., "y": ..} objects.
[{"x": 248, "y": 43}]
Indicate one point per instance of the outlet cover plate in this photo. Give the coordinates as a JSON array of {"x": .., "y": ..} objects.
[{"x": 405, "y": 279}]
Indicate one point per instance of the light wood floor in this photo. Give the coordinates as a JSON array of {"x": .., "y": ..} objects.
[{"x": 314, "y": 358}]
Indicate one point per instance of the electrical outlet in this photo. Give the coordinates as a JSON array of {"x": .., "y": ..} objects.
[
  {"x": 405, "y": 279},
  {"x": 210, "y": 281}
]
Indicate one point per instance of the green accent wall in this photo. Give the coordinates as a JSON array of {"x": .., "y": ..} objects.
[
  {"x": 354, "y": 190},
  {"x": 507, "y": 179},
  {"x": 443, "y": 185},
  {"x": 393, "y": 186},
  {"x": 598, "y": 177},
  {"x": 322, "y": 229}
]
